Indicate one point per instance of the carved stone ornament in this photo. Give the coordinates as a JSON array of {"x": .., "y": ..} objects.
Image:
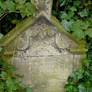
[{"x": 42, "y": 50}]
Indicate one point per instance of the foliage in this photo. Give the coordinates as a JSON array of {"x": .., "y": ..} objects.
[
  {"x": 81, "y": 80},
  {"x": 1, "y": 35},
  {"x": 75, "y": 16},
  {"x": 13, "y": 11},
  {"x": 8, "y": 79},
  {"x": 23, "y": 6}
]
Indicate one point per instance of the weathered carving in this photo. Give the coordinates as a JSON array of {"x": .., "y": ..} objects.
[
  {"x": 40, "y": 49},
  {"x": 43, "y": 7}
]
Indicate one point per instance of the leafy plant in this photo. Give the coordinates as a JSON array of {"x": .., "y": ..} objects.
[
  {"x": 24, "y": 7},
  {"x": 81, "y": 80},
  {"x": 75, "y": 16},
  {"x": 8, "y": 79},
  {"x": 1, "y": 35},
  {"x": 12, "y": 12}
]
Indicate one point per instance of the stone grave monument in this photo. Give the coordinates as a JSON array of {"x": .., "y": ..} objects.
[{"x": 42, "y": 50}]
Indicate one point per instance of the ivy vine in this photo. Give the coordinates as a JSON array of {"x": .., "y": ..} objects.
[
  {"x": 75, "y": 16},
  {"x": 8, "y": 79}
]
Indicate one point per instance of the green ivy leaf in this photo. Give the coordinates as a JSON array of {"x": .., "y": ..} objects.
[
  {"x": 89, "y": 32},
  {"x": 77, "y": 25},
  {"x": 73, "y": 8},
  {"x": 29, "y": 9},
  {"x": 67, "y": 24},
  {"x": 83, "y": 13},
  {"x": 89, "y": 54},
  {"x": 86, "y": 62},
  {"x": 70, "y": 14},
  {"x": 1, "y": 35},
  {"x": 82, "y": 88},
  {"x": 27, "y": 89},
  {"x": 77, "y": 3},
  {"x": 54, "y": 13},
  {"x": 77, "y": 29},
  {"x": 23, "y": 15},
  {"x": 62, "y": 2},
  {"x": 11, "y": 5},
  {"x": 4, "y": 75},
  {"x": 71, "y": 88},
  {"x": 1, "y": 11},
  {"x": 3, "y": 5},
  {"x": 20, "y": 7},
  {"x": 77, "y": 75},
  {"x": 10, "y": 85},
  {"x": 63, "y": 15},
  {"x": 79, "y": 34},
  {"x": 1, "y": 86}
]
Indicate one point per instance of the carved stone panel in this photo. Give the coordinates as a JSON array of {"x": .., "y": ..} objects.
[{"x": 43, "y": 56}]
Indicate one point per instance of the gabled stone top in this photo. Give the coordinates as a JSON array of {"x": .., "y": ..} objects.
[{"x": 43, "y": 11}]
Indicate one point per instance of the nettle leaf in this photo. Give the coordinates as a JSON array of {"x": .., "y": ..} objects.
[
  {"x": 83, "y": 13},
  {"x": 67, "y": 24},
  {"x": 89, "y": 32}
]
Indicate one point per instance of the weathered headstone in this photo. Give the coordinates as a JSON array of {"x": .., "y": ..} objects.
[{"x": 42, "y": 50}]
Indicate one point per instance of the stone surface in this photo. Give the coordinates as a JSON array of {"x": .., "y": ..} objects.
[
  {"x": 42, "y": 52},
  {"x": 43, "y": 56}
]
